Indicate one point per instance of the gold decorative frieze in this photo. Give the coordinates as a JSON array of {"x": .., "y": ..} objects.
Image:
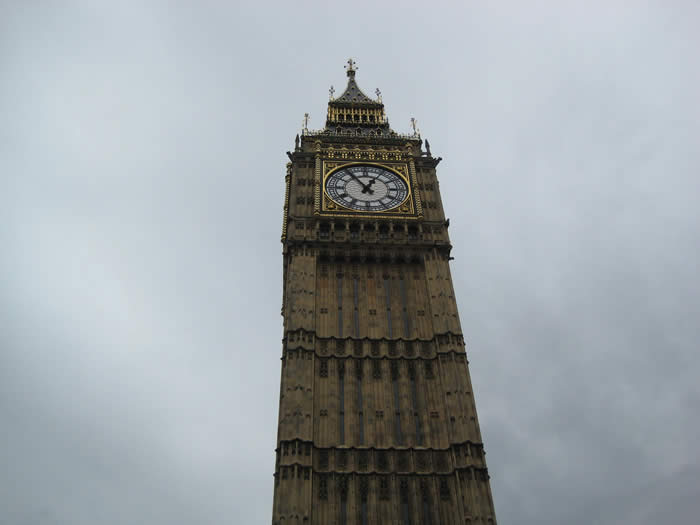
[
  {"x": 356, "y": 115},
  {"x": 344, "y": 153}
]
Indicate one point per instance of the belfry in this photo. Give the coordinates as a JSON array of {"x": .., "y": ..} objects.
[{"x": 377, "y": 420}]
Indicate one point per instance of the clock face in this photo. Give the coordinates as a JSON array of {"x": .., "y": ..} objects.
[{"x": 366, "y": 188}]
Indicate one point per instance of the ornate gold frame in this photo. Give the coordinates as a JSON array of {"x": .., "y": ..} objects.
[{"x": 405, "y": 210}]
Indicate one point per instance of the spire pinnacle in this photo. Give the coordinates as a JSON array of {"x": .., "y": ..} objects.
[
  {"x": 352, "y": 112},
  {"x": 414, "y": 125},
  {"x": 351, "y": 69},
  {"x": 352, "y": 94}
]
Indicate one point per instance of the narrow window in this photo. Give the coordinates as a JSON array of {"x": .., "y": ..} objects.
[
  {"x": 429, "y": 370},
  {"x": 340, "y": 305},
  {"x": 425, "y": 496},
  {"x": 356, "y": 313},
  {"x": 376, "y": 369},
  {"x": 343, "y": 489},
  {"x": 358, "y": 348},
  {"x": 384, "y": 488},
  {"x": 414, "y": 400},
  {"x": 397, "y": 405},
  {"x": 363, "y": 460},
  {"x": 405, "y": 510},
  {"x": 360, "y": 413},
  {"x": 404, "y": 309},
  {"x": 382, "y": 462},
  {"x": 393, "y": 349},
  {"x": 341, "y": 460},
  {"x": 444, "y": 490},
  {"x": 341, "y": 401},
  {"x": 383, "y": 232},
  {"x": 364, "y": 489},
  {"x": 387, "y": 298}
]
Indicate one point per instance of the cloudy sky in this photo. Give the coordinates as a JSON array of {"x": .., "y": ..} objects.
[{"x": 141, "y": 182}]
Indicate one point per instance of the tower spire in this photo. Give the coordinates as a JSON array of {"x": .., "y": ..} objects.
[{"x": 353, "y": 111}]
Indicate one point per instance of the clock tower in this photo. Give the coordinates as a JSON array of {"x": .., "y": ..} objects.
[{"x": 377, "y": 420}]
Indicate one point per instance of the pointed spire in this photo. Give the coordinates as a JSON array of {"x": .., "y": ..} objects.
[
  {"x": 353, "y": 94},
  {"x": 354, "y": 113}
]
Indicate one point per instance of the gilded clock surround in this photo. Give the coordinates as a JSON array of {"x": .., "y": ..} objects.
[{"x": 405, "y": 208}]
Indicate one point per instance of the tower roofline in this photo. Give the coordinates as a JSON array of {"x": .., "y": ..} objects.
[
  {"x": 353, "y": 95},
  {"x": 353, "y": 108}
]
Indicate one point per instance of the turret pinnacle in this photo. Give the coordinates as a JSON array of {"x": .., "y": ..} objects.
[
  {"x": 353, "y": 94},
  {"x": 354, "y": 114},
  {"x": 355, "y": 109}
]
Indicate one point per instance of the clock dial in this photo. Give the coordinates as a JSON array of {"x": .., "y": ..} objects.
[{"x": 366, "y": 188}]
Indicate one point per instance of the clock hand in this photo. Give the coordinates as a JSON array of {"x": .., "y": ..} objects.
[
  {"x": 365, "y": 188},
  {"x": 368, "y": 187}
]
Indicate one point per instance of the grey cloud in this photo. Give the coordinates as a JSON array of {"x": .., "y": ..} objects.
[{"x": 142, "y": 163}]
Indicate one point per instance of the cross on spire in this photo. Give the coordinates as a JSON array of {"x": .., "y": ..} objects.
[{"x": 351, "y": 67}]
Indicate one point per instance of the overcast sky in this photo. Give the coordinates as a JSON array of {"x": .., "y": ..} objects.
[{"x": 142, "y": 154}]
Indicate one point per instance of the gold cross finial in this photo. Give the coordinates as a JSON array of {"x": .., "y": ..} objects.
[{"x": 351, "y": 68}]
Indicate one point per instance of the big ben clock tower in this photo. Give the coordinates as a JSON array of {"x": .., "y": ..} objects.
[{"x": 377, "y": 421}]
